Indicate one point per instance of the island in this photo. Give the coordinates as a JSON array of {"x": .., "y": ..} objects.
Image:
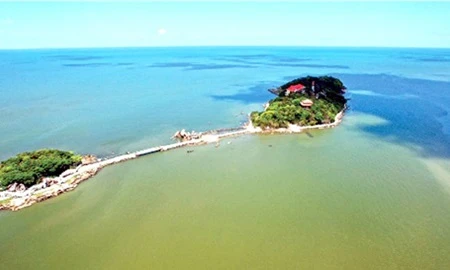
[
  {"x": 31, "y": 177},
  {"x": 29, "y": 168},
  {"x": 301, "y": 104}
]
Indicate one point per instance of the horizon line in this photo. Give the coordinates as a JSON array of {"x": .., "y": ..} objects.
[{"x": 223, "y": 46}]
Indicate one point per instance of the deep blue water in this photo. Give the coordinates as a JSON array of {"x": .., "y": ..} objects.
[{"x": 107, "y": 101}]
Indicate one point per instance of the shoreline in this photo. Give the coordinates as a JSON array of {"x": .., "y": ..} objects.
[
  {"x": 71, "y": 178},
  {"x": 296, "y": 128}
]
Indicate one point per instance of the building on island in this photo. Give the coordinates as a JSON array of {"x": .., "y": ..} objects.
[
  {"x": 296, "y": 88},
  {"x": 306, "y": 103}
]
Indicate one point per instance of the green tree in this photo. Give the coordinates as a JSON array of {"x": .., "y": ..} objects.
[{"x": 29, "y": 167}]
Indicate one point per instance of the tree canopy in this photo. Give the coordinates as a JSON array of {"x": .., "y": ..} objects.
[
  {"x": 325, "y": 87},
  {"x": 29, "y": 168},
  {"x": 326, "y": 93}
]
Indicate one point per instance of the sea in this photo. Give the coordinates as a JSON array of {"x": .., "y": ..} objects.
[{"x": 373, "y": 193}]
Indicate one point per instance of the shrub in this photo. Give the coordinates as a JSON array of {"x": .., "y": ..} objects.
[
  {"x": 327, "y": 96},
  {"x": 29, "y": 167}
]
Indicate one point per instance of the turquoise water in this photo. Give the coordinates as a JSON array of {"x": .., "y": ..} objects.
[
  {"x": 115, "y": 100},
  {"x": 373, "y": 193}
]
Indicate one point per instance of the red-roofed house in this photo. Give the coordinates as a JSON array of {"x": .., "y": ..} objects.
[{"x": 296, "y": 88}]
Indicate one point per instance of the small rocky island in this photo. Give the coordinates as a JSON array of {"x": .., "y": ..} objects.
[
  {"x": 32, "y": 177},
  {"x": 306, "y": 101},
  {"x": 29, "y": 168}
]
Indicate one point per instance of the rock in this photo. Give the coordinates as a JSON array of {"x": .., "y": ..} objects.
[
  {"x": 12, "y": 188},
  {"x": 183, "y": 135},
  {"x": 177, "y": 135},
  {"x": 21, "y": 188},
  {"x": 68, "y": 172},
  {"x": 88, "y": 159},
  {"x": 52, "y": 181}
]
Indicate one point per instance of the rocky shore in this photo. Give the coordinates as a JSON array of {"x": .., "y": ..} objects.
[
  {"x": 17, "y": 198},
  {"x": 295, "y": 128}
]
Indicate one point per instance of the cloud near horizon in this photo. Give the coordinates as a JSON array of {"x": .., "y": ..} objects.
[{"x": 162, "y": 31}]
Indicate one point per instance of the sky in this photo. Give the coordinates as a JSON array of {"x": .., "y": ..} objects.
[{"x": 234, "y": 23}]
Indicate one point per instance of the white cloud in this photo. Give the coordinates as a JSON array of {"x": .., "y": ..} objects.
[{"x": 162, "y": 31}]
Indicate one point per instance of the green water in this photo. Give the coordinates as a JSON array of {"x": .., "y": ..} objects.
[{"x": 338, "y": 200}]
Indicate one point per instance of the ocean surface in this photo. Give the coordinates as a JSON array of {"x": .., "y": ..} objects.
[{"x": 373, "y": 193}]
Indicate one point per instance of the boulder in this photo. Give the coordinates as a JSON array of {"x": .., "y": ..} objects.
[
  {"x": 183, "y": 135},
  {"x": 88, "y": 159},
  {"x": 12, "y": 188},
  {"x": 68, "y": 172},
  {"x": 21, "y": 188}
]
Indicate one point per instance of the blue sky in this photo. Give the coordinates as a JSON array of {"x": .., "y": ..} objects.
[{"x": 113, "y": 24}]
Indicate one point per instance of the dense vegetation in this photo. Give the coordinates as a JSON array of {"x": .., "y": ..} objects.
[
  {"x": 28, "y": 168},
  {"x": 327, "y": 95}
]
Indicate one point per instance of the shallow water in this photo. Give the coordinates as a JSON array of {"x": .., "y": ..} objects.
[{"x": 373, "y": 193}]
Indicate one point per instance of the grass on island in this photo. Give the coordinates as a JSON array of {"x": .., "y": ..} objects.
[
  {"x": 326, "y": 93},
  {"x": 29, "y": 168},
  {"x": 283, "y": 111}
]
